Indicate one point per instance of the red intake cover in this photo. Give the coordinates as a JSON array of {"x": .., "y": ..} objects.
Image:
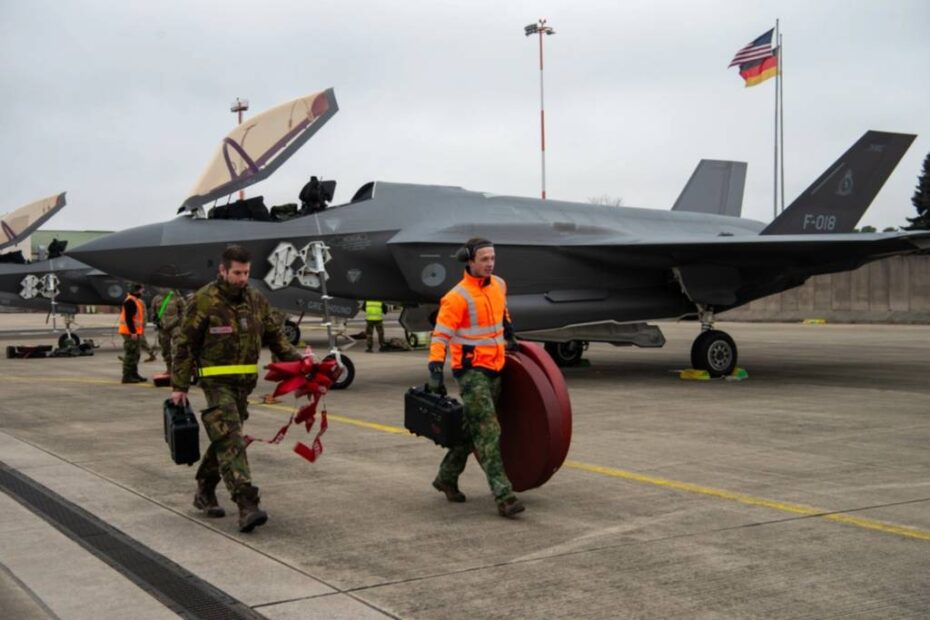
[{"x": 535, "y": 417}]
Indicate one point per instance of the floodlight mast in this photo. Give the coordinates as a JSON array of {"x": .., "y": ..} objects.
[
  {"x": 240, "y": 106},
  {"x": 541, "y": 29}
]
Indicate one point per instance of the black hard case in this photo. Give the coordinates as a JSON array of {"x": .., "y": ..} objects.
[
  {"x": 436, "y": 417},
  {"x": 182, "y": 433}
]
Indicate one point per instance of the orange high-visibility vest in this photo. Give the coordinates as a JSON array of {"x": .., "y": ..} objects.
[
  {"x": 138, "y": 320},
  {"x": 471, "y": 324}
]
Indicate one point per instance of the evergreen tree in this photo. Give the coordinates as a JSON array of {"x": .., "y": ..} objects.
[{"x": 921, "y": 200}]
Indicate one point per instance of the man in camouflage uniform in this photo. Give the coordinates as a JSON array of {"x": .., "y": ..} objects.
[
  {"x": 167, "y": 312},
  {"x": 223, "y": 330},
  {"x": 474, "y": 325}
]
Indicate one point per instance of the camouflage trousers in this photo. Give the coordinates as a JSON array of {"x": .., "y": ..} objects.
[
  {"x": 479, "y": 394},
  {"x": 370, "y": 327},
  {"x": 225, "y": 457},
  {"x": 164, "y": 341},
  {"x": 131, "y": 353}
]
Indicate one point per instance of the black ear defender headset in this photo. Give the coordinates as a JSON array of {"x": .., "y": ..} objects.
[{"x": 467, "y": 252}]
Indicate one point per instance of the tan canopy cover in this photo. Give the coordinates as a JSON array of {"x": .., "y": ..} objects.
[
  {"x": 257, "y": 147},
  {"x": 16, "y": 226}
]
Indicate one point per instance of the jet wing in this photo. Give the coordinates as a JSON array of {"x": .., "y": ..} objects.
[
  {"x": 258, "y": 147},
  {"x": 729, "y": 271},
  {"x": 16, "y": 226}
]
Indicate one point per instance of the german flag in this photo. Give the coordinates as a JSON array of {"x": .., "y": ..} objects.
[{"x": 758, "y": 71}]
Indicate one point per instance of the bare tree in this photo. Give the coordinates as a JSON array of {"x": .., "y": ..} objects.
[{"x": 607, "y": 200}]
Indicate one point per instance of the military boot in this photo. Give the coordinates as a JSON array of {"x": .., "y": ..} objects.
[
  {"x": 451, "y": 490},
  {"x": 205, "y": 500},
  {"x": 510, "y": 507},
  {"x": 250, "y": 515}
]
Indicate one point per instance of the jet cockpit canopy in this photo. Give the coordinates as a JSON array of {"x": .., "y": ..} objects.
[{"x": 258, "y": 147}]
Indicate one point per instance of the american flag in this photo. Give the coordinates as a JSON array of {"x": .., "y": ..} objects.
[{"x": 756, "y": 50}]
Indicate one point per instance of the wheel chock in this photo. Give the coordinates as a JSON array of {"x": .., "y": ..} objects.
[
  {"x": 693, "y": 374},
  {"x": 814, "y": 321},
  {"x": 738, "y": 374}
]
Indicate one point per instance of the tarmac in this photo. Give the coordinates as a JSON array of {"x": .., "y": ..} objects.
[{"x": 800, "y": 492}]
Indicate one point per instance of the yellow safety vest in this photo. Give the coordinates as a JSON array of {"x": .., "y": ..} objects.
[{"x": 374, "y": 311}]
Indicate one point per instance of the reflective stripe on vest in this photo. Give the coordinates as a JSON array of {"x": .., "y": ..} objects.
[{"x": 241, "y": 369}]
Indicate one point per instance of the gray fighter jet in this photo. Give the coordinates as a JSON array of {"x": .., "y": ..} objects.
[
  {"x": 57, "y": 284},
  {"x": 576, "y": 272}
]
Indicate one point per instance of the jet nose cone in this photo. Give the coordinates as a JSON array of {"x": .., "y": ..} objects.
[{"x": 117, "y": 253}]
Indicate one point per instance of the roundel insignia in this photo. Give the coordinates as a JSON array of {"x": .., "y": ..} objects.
[
  {"x": 115, "y": 291},
  {"x": 433, "y": 274}
]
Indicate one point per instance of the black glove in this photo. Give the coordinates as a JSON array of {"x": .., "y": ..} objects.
[
  {"x": 510, "y": 338},
  {"x": 435, "y": 384}
]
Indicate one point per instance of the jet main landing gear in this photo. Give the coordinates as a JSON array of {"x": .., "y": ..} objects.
[
  {"x": 713, "y": 350},
  {"x": 567, "y": 353}
]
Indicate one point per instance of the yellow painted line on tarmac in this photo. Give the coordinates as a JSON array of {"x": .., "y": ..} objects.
[
  {"x": 611, "y": 472},
  {"x": 384, "y": 428},
  {"x": 687, "y": 487},
  {"x": 800, "y": 509}
]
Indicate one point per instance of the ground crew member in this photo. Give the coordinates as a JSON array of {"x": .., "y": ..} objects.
[
  {"x": 132, "y": 329},
  {"x": 473, "y": 324},
  {"x": 223, "y": 330},
  {"x": 167, "y": 312},
  {"x": 374, "y": 320}
]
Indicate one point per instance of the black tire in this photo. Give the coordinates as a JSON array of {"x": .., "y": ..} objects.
[
  {"x": 347, "y": 376},
  {"x": 412, "y": 339},
  {"x": 65, "y": 338},
  {"x": 714, "y": 351},
  {"x": 292, "y": 331},
  {"x": 566, "y": 354}
]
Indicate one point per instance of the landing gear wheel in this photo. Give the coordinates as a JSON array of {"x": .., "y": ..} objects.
[
  {"x": 66, "y": 339},
  {"x": 348, "y": 373},
  {"x": 715, "y": 352},
  {"x": 566, "y": 353},
  {"x": 291, "y": 331}
]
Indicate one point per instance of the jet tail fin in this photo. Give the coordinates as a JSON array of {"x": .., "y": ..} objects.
[
  {"x": 715, "y": 187},
  {"x": 835, "y": 202}
]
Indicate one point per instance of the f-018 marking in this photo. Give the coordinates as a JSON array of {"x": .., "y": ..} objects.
[{"x": 820, "y": 223}]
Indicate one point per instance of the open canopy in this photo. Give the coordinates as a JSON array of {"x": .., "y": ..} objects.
[
  {"x": 257, "y": 147},
  {"x": 16, "y": 226}
]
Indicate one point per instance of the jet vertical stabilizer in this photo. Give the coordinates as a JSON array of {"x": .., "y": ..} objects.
[
  {"x": 836, "y": 201},
  {"x": 715, "y": 187}
]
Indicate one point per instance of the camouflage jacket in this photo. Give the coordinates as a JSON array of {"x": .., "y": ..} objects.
[
  {"x": 226, "y": 326},
  {"x": 170, "y": 320}
]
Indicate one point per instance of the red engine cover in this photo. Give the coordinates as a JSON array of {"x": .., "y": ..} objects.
[{"x": 535, "y": 417}]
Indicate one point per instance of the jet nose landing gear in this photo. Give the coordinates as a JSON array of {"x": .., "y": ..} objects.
[{"x": 713, "y": 350}]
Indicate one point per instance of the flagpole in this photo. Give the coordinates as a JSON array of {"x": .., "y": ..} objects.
[
  {"x": 775, "y": 153},
  {"x": 781, "y": 118}
]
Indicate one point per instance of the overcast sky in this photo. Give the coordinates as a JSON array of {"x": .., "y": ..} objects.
[{"x": 122, "y": 103}]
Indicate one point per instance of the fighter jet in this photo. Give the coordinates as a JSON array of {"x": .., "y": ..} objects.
[
  {"x": 576, "y": 272},
  {"x": 56, "y": 284}
]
